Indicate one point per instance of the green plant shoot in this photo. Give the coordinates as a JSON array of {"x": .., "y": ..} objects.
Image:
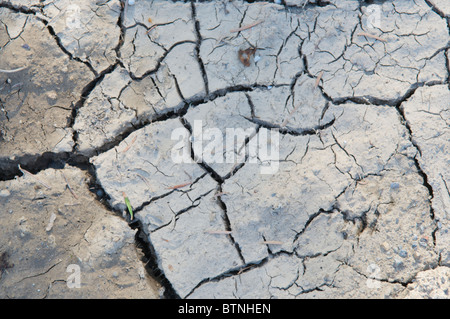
[{"x": 127, "y": 202}]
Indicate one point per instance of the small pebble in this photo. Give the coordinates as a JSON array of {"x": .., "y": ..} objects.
[
  {"x": 4, "y": 193},
  {"x": 385, "y": 246},
  {"x": 130, "y": 2},
  {"x": 422, "y": 229},
  {"x": 398, "y": 264},
  {"x": 395, "y": 186},
  {"x": 52, "y": 95},
  {"x": 51, "y": 222},
  {"x": 423, "y": 242},
  {"x": 257, "y": 58},
  {"x": 403, "y": 253}
]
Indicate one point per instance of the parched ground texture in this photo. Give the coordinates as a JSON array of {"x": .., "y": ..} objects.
[{"x": 98, "y": 98}]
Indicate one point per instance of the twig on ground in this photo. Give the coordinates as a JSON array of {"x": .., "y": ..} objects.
[
  {"x": 129, "y": 145},
  {"x": 319, "y": 77},
  {"x": 365, "y": 34},
  {"x": 246, "y": 27},
  {"x": 289, "y": 116},
  {"x": 144, "y": 179},
  {"x": 68, "y": 186},
  {"x": 151, "y": 28},
  {"x": 179, "y": 186},
  {"x": 244, "y": 269},
  {"x": 25, "y": 172},
  {"x": 13, "y": 70},
  {"x": 218, "y": 232}
]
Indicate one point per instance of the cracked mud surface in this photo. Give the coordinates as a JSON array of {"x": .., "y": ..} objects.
[{"x": 92, "y": 95}]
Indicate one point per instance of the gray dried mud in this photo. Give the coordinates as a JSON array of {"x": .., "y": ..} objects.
[{"x": 95, "y": 98}]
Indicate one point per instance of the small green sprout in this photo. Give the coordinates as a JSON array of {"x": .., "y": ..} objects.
[{"x": 127, "y": 201}]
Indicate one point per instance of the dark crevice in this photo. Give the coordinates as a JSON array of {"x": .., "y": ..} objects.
[
  {"x": 163, "y": 116},
  {"x": 447, "y": 59},
  {"x": 149, "y": 258},
  {"x": 309, "y": 221},
  {"x": 20, "y": 9},
  {"x": 4, "y": 262},
  {"x": 159, "y": 91},
  {"x": 306, "y": 5},
  {"x": 84, "y": 95},
  {"x": 386, "y": 280},
  {"x": 292, "y": 131},
  {"x": 435, "y": 9},
  {"x": 371, "y": 100},
  {"x": 362, "y": 217},
  {"x": 88, "y": 89},
  {"x": 214, "y": 175},
  {"x": 420, "y": 171},
  {"x": 240, "y": 270},
  {"x": 122, "y": 32},
  {"x": 177, "y": 87},
  {"x": 227, "y": 222},
  {"x": 158, "y": 62},
  {"x": 136, "y": 210},
  {"x": 230, "y": 273},
  {"x": 9, "y": 168},
  {"x": 217, "y": 177},
  {"x": 70, "y": 55},
  {"x": 247, "y": 139},
  {"x": 197, "y": 48},
  {"x": 144, "y": 204},
  {"x": 426, "y": 184},
  {"x": 222, "y": 92},
  {"x": 151, "y": 262}
]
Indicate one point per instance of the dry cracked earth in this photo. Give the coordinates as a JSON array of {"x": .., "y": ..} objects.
[{"x": 98, "y": 97}]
